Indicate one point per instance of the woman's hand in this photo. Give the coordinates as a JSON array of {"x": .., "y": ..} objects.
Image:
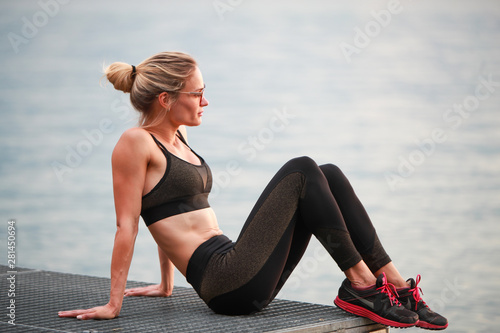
[
  {"x": 99, "y": 312},
  {"x": 155, "y": 290}
]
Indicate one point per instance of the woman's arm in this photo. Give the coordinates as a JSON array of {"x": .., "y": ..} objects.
[
  {"x": 167, "y": 273},
  {"x": 165, "y": 288},
  {"x": 130, "y": 159}
]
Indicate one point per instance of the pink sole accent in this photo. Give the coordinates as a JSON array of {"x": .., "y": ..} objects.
[
  {"x": 424, "y": 324},
  {"x": 360, "y": 311}
]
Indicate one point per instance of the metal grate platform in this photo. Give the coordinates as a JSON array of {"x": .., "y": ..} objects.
[{"x": 39, "y": 295}]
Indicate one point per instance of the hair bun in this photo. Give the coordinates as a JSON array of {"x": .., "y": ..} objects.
[{"x": 120, "y": 75}]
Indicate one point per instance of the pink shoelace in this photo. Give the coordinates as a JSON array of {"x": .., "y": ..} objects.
[
  {"x": 416, "y": 292},
  {"x": 390, "y": 290}
]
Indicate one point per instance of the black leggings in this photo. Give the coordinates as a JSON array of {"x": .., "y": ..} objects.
[{"x": 301, "y": 200}]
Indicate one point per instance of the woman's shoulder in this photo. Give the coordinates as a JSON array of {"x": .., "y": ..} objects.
[
  {"x": 135, "y": 133},
  {"x": 133, "y": 141},
  {"x": 135, "y": 136}
]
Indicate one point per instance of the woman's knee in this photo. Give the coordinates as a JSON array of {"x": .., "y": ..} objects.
[
  {"x": 306, "y": 162},
  {"x": 303, "y": 164},
  {"x": 332, "y": 172},
  {"x": 330, "y": 167}
]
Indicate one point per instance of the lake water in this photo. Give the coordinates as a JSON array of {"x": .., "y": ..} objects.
[{"x": 403, "y": 95}]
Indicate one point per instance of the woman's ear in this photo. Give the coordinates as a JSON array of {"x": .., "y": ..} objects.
[{"x": 164, "y": 100}]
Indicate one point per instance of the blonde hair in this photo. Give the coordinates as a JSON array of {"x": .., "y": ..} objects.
[{"x": 163, "y": 72}]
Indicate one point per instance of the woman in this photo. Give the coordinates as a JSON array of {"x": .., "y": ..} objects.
[{"x": 156, "y": 175}]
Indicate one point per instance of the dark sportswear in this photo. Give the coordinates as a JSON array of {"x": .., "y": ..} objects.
[
  {"x": 302, "y": 199},
  {"x": 183, "y": 188}
]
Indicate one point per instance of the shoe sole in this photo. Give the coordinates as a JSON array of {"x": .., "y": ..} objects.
[
  {"x": 363, "y": 312},
  {"x": 426, "y": 325}
]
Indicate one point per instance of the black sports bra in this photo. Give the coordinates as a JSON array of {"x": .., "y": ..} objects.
[{"x": 183, "y": 188}]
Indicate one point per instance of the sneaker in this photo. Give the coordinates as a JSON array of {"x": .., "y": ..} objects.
[
  {"x": 410, "y": 299},
  {"x": 378, "y": 303}
]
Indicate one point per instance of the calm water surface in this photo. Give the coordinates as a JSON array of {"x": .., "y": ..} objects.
[{"x": 403, "y": 96}]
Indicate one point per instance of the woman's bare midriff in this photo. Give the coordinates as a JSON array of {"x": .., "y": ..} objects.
[{"x": 180, "y": 235}]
